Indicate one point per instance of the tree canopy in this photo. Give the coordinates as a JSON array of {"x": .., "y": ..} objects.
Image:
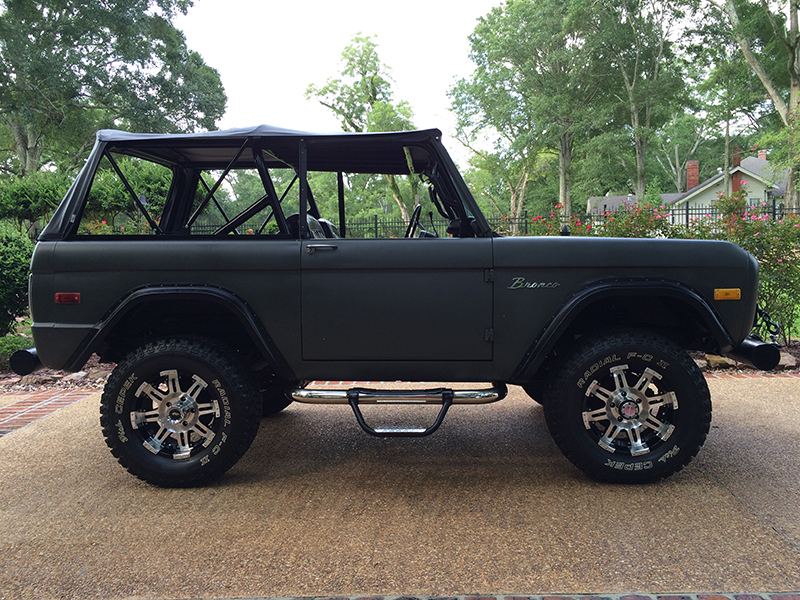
[
  {"x": 363, "y": 100},
  {"x": 68, "y": 67}
]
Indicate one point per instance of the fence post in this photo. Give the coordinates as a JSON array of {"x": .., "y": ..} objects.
[
  {"x": 376, "y": 227},
  {"x": 687, "y": 214},
  {"x": 526, "y": 221},
  {"x": 774, "y": 209}
]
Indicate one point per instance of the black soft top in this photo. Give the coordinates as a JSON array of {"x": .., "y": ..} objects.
[
  {"x": 384, "y": 153},
  {"x": 348, "y": 152}
]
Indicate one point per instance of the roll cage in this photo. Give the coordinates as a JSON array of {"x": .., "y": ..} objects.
[{"x": 192, "y": 157}]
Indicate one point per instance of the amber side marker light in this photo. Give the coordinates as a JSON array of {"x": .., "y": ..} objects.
[
  {"x": 728, "y": 294},
  {"x": 68, "y": 298}
]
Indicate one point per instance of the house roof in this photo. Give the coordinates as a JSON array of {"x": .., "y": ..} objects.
[{"x": 751, "y": 167}]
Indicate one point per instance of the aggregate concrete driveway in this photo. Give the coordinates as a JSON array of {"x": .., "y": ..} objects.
[{"x": 486, "y": 505}]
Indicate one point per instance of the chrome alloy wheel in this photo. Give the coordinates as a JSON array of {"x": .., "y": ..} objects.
[
  {"x": 629, "y": 418},
  {"x": 176, "y": 422}
]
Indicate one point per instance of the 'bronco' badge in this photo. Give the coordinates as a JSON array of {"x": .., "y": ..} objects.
[{"x": 520, "y": 282}]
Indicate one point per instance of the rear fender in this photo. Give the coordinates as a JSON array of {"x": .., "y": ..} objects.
[{"x": 185, "y": 294}]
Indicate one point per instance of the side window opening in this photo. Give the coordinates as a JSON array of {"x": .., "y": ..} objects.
[
  {"x": 127, "y": 197},
  {"x": 240, "y": 205},
  {"x": 372, "y": 203}
]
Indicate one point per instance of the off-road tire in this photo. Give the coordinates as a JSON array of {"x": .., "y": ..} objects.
[
  {"x": 628, "y": 407},
  {"x": 179, "y": 412}
]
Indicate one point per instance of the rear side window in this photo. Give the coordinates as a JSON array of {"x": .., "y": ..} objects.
[
  {"x": 239, "y": 198},
  {"x": 127, "y": 197}
]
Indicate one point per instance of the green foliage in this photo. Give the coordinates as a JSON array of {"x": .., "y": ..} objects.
[
  {"x": 110, "y": 206},
  {"x": 10, "y": 344},
  {"x": 530, "y": 93},
  {"x": 638, "y": 220},
  {"x": 15, "y": 257},
  {"x": 775, "y": 244},
  {"x": 69, "y": 66},
  {"x": 783, "y": 144},
  {"x": 362, "y": 98},
  {"x": 29, "y": 200}
]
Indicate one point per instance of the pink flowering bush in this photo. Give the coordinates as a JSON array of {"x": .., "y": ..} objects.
[
  {"x": 641, "y": 220},
  {"x": 775, "y": 244}
]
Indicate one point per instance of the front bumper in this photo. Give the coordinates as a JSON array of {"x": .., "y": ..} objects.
[{"x": 756, "y": 353}]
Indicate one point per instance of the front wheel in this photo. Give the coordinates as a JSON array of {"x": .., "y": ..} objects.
[
  {"x": 628, "y": 408},
  {"x": 179, "y": 412}
]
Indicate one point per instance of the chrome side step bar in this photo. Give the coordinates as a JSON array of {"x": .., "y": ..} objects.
[{"x": 444, "y": 396}]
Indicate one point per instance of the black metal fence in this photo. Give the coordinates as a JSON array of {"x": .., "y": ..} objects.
[
  {"x": 684, "y": 215},
  {"x": 383, "y": 227},
  {"x": 379, "y": 227}
]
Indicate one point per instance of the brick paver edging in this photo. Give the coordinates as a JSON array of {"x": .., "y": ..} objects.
[
  {"x": 756, "y": 375},
  {"x": 761, "y": 596},
  {"x": 35, "y": 405}
]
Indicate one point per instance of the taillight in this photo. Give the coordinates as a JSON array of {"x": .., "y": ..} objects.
[{"x": 68, "y": 298}]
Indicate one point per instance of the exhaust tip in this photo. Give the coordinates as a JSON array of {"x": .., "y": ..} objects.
[{"x": 25, "y": 362}]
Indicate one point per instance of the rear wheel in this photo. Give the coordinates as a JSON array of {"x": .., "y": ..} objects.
[
  {"x": 628, "y": 407},
  {"x": 179, "y": 412}
]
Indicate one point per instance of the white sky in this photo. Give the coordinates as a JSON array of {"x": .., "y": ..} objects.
[{"x": 268, "y": 52}]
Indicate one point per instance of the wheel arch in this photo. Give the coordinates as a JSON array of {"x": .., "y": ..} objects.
[
  {"x": 653, "y": 305},
  {"x": 200, "y": 311}
]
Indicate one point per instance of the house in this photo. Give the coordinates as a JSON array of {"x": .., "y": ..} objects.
[{"x": 763, "y": 185}]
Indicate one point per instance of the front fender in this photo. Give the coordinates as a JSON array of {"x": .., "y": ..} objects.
[{"x": 569, "y": 311}]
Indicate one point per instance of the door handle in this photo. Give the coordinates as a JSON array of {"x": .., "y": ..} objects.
[{"x": 311, "y": 248}]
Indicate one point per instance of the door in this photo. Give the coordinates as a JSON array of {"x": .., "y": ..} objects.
[{"x": 397, "y": 299}]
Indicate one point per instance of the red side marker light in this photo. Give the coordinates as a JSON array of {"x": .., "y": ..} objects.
[{"x": 68, "y": 298}]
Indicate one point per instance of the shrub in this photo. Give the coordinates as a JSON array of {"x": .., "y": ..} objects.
[
  {"x": 10, "y": 344},
  {"x": 15, "y": 258},
  {"x": 774, "y": 243}
]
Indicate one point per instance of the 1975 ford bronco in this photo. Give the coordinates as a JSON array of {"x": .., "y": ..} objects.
[{"x": 223, "y": 292}]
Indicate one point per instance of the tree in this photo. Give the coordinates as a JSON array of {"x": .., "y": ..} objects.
[
  {"x": 27, "y": 201},
  {"x": 677, "y": 141},
  {"x": 69, "y": 66},
  {"x": 762, "y": 50},
  {"x": 728, "y": 91},
  {"x": 362, "y": 98},
  {"x": 15, "y": 260},
  {"x": 631, "y": 38},
  {"x": 531, "y": 91}
]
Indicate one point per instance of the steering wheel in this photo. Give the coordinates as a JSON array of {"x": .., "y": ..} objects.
[{"x": 413, "y": 223}]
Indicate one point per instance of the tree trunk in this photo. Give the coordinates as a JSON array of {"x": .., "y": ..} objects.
[
  {"x": 564, "y": 175},
  {"x": 641, "y": 147},
  {"x": 517, "y": 200},
  {"x": 726, "y": 166},
  {"x": 398, "y": 198},
  {"x": 27, "y": 145}
]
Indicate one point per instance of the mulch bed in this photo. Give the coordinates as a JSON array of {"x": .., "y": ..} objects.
[{"x": 93, "y": 375}]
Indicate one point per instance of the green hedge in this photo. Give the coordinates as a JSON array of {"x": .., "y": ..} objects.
[
  {"x": 10, "y": 344},
  {"x": 15, "y": 259}
]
